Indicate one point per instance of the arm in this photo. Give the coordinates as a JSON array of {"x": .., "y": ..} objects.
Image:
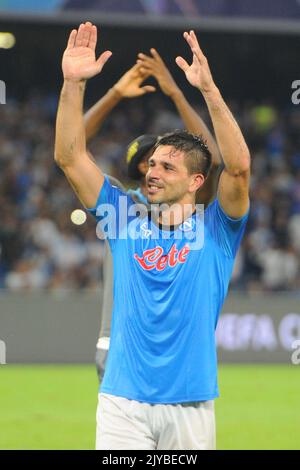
[
  {"x": 233, "y": 190},
  {"x": 79, "y": 64},
  {"x": 95, "y": 116},
  {"x": 193, "y": 122},
  {"x": 129, "y": 86}
]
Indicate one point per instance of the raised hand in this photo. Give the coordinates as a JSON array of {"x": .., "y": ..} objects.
[
  {"x": 79, "y": 60},
  {"x": 130, "y": 84},
  {"x": 156, "y": 67},
  {"x": 198, "y": 73}
]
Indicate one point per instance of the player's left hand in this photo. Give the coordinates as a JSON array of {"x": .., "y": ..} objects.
[
  {"x": 198, "y": 73},
  {"x": 155, "y": 66}
]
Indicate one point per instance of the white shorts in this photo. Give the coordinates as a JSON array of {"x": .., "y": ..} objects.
[{"x": 132, "y": 425}]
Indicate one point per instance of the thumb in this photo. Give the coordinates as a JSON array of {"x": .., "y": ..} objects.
[
  {"x": 182, "y": 63},
  {"x": 148, "y": 89},
  {"x": 103, "y": 59}
]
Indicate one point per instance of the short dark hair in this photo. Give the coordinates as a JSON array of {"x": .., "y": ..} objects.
[{"x": 197, "y": 155}]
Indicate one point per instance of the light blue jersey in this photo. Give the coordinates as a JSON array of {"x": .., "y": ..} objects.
[
  {"x": 137, "y": 195},
  {"x": 168, "y": 293}
]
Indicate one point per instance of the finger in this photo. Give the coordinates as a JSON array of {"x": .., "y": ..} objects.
[
  {"x": 143, "y": 73},
  {"x": 156, "y": 55},
  {"x": 148, "y": 89},
  {"x": 193, "y": 35},
  {"x": 86, "y": 34},
  {"x": 93, "y": 38},
  {"x": 136, "y": 68},
  {"x": 142, "y": 63},
  {"x": 103, "y": 59},
  {"x": 192, "y": 41},
  {"x": 145, "y": 58},
  {"x": 189, "y": 39},
  {"x": 72, "y": 39},
  {"x": 139, "y": 72},
  {"x": 200, "y": 53},
  {"x": 196, "y": 60},
  {"x": 79, "y": 37},
  {"x": 145, "y": 65},
  {"x": 186, "y": 35},
  {"x": 200, "y": 57},
  {"x": 182, "y": 63}
]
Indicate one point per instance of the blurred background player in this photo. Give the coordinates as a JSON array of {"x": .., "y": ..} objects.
[{"x": 131, "y": 85}]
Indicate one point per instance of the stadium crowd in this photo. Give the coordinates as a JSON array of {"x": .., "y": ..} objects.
[{"x": 41, "y": 248}]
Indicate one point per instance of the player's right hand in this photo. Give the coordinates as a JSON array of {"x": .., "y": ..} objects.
[{"x": 79, "y": 60}]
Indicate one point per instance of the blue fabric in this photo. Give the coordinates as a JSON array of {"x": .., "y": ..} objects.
[
  {"x": 168, "y": 293},
  {"x": 137, "y": 195}
]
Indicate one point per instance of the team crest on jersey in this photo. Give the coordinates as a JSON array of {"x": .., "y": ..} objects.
[
  {"x": 187, "y": 225},
  {"x": 146, "y": 233}
]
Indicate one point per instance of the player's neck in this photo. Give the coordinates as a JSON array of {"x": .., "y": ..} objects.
[{"x": 176, "y": 213}]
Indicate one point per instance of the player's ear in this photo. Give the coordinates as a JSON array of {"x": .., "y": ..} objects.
[{"x": 197, "y": 181}]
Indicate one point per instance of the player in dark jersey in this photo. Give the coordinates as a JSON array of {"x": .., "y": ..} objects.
[
  {"x": 172, "y": 267},
  {"x": 131, "y": 85}
]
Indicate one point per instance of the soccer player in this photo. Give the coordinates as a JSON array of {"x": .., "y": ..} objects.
[
  {"x": 170, "y": 282},
  {"x": 130, "y": 85}
]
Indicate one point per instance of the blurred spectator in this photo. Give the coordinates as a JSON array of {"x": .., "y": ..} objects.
[{"x": 280, "y": 267}]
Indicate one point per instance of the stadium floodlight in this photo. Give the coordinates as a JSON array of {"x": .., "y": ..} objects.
[{"x": 7, "y": 40}]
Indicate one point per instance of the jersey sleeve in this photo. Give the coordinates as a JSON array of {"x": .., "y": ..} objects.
[
  {"x": 110, "y": 211},
  {"x": 225, "y": 231}
]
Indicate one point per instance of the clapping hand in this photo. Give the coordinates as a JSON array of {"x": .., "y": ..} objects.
[
  {"x": 198, "y": 73},
  {"x": 79, "y": 60}
]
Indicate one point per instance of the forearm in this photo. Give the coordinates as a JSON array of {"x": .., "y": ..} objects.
[
  {"x": 232, "y": 145},
  {"x": 95, "y": 116},
  {"x": 70, "y": 141},
  {"x": 195, "y": 124}
]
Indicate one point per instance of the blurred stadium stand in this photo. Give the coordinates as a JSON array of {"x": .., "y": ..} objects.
[
  {"x": 41, "y": 248},
  {"x": 225, "y": 8},
  {"x": 215, "y": 15}
]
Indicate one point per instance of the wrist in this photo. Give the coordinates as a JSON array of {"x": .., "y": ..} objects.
[
  {"x": 176, "y": 94},
  {"x": 74, "y": 80},
  {"x": 210, "y": 93},
  {"x": 117, "y": 92},
  {"x": 71, "y": 84}
]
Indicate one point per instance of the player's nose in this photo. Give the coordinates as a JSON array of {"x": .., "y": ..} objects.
[{"x": 153, "y": 173}]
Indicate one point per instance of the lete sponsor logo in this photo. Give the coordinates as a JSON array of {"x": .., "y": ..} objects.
[{"x": 155, "y": 259}]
